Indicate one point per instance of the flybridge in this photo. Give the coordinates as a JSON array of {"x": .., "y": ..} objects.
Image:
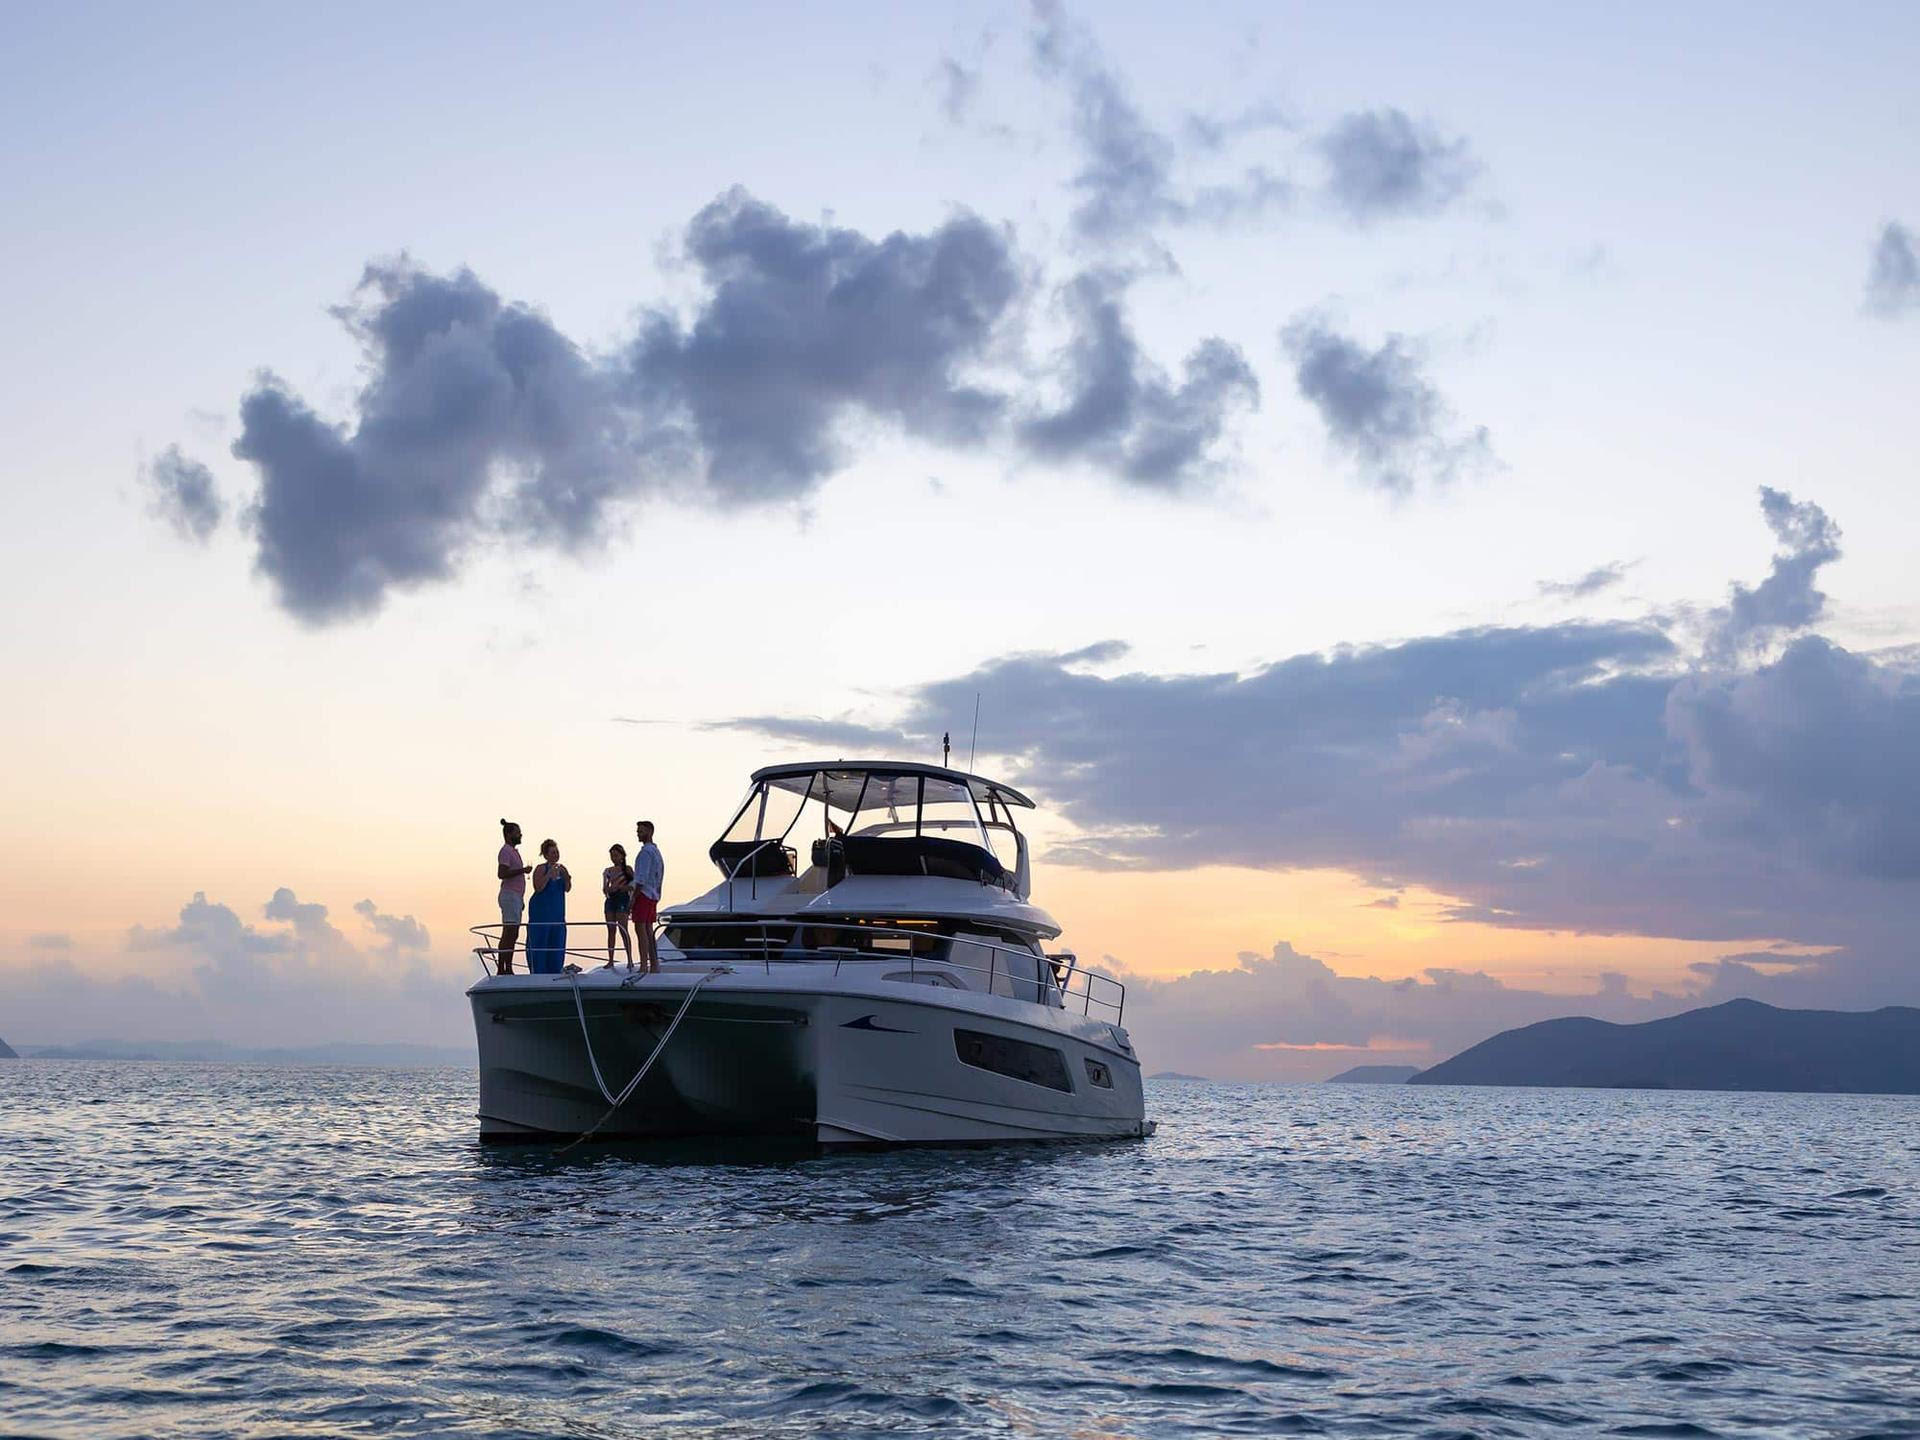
[{"x": 878, "y": 817}]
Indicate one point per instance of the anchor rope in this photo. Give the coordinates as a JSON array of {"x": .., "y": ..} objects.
[{"x": 614, "y": 1102}]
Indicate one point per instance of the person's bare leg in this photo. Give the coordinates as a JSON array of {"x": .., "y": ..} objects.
[
  {"x": 651, "y": 948},
  {"x": 509, "y": 934},
  {"x": 626, "y": 941},
  {"x": 609, "y": 944}
]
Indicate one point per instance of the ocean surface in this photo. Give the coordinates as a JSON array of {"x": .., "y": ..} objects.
[{"x": 243, "y": 1251}]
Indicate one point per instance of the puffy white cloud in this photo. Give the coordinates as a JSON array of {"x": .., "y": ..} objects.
[
  {"x": 1379, "y": 408},
  {"x": 295, "y": 980}
]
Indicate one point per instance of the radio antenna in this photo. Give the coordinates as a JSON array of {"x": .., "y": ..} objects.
[
  {"x": 946, "y": 747},
  {"x": 975, "y": 740}
]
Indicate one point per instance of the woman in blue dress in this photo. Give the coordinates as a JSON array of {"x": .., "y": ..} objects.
[{"x": 547, "y": 913}]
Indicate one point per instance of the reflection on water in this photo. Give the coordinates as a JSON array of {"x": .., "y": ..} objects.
[{"x": 216, "y": 1250}]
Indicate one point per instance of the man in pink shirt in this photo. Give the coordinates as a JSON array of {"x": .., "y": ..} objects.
[{"x": 513, "y": 894}]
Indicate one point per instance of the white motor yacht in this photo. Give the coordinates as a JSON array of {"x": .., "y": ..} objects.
[{"x": 869, "y": 970}]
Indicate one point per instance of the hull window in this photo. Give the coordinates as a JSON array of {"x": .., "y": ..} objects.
[
  {"x": 1099, "y": 1074},
  {"x": 1017, "y": 1059}
]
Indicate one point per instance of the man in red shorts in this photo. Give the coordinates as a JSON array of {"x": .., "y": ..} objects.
[{"x": 649, "y": 874}]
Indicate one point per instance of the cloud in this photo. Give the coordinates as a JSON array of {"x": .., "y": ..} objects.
[
  {"x": 1289, "y": 1016},
  {"x": 1603, "y": 577},
  {"x": 846, "y": 737},
  {"x": 468, "y": 397},
  {"x": 1381, "y": 165},
  {"x": 1125, "y": 183},
  {"x": 1379, "y": 408},
  {"x": 1127, "y": 186},
  {"x": 1816, "y": 754},
  {"x": 309, "y": 921},
  {"x": 1604, "y": 777},
  {"x": 183, "y": 494},
  {"x": 805, "y": 325},
  {"x": 1787, "y": 599},
  {"x": 296, "y": 980},
  {"x": 50, "y": 940},
  {"x": 398, "y": 932},
  {"x": 959, "y": 88},
  {"x": 1125, "y": 415},
  {"x": 1893, "y": 273},
  {"x": 1207, "y": 131},
  {"x": 479, "y": 418}
]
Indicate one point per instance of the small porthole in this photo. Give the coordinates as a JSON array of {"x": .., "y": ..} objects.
[{"x": 1099, "y": 1074}]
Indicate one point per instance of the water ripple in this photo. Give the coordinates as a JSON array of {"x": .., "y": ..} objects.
[{"x": 191, "y": 1250}]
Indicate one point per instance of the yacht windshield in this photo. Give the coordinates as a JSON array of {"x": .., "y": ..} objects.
[{"x": 876, "y": 820}]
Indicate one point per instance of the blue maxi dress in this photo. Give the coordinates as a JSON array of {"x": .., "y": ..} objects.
[{"x": 547, "y": 929}]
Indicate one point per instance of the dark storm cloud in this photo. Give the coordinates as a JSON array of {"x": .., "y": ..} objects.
[
  {"x": 1380, "y": 164},
  {"x": 1121, "y": 411},
  {"x": 184, "y": 495},
  {"x": 1127, "y": 184},
  {"x": 1379, "y": 408},
  {"x": 1893, "y": 273}
]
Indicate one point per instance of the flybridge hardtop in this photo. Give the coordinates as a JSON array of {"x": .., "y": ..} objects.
[
  {"x": 846, "y": 776},
  {"x": 868, "y": 970}
]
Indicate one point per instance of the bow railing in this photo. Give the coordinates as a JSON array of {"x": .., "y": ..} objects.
[{"x": 1054, "y": 979}]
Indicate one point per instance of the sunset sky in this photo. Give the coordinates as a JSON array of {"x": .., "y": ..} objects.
[{"x": 1425, "y": 498}]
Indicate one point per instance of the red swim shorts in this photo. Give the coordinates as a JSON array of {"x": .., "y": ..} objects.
[{"x": 645, "y": 911}]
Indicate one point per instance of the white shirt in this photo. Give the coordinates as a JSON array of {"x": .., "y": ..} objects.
[{"x": 649, "y": 871}]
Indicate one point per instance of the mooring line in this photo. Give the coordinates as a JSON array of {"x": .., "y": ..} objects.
[{"x": 615, "y": 1102}]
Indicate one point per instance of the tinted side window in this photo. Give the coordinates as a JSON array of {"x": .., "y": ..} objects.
[{"x": 1036, "y": 1064}]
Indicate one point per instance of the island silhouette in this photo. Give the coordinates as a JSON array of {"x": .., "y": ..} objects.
[
  {"x": 1375, "y": 1075},
  {"x": 1741, "y": 1045}
]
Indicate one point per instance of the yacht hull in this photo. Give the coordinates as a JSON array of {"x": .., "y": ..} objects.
[{"x": 869, "y": 1065}]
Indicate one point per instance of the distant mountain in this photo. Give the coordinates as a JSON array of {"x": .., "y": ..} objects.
[
  {"x": 398, "y": 1056},
  {"x": 7, "y": 1051},
  {"x": 1175, "y": 1075},
  {"x": 1741, "y": 1045},
  {"x": 1374, "y": 1075}
]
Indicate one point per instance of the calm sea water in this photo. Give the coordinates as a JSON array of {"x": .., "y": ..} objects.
[{"x": 224, "y": 1250}]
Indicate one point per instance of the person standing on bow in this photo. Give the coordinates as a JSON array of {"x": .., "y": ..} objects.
[
  {"x": 649, "y": 874},
  {"x": 513, "y": 895},
  {"x": 616, "y": 883},
  {"x": 547, "y": 913}
]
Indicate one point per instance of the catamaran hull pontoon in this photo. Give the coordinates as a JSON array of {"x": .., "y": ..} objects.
[{"x": 753, "y": 1058}]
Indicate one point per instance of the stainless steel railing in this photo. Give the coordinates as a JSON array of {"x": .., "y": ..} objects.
[{"x": 1057, "y": 979}]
